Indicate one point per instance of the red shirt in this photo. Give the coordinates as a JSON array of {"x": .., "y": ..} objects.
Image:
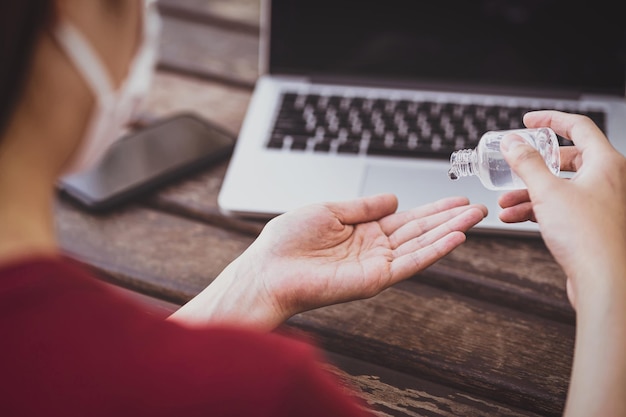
[{"x": 71, "y": 347}]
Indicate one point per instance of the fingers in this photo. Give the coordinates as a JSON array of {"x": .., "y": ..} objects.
[
  {"x": 391, "y": 223},
  {"x": 518, "y": 213},
  {"x": 571, "y": 294},
  {"x": 527, "y": 163},
  {"x": 461, "y": 221},
  {"x": 409, "y": 264},
  {"x": 512, "y": 198},
  {"x": 578, "y": 128},
  {"x": 570, "y": 158},
  {"x": 516, "y": 207},
  {"x": 422, "y": 251},
  {"x": 421, "y": 225},
  {"x": 364, "y": 209}
]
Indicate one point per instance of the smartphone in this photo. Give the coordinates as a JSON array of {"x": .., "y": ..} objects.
[{"x": 147, "y": 159}]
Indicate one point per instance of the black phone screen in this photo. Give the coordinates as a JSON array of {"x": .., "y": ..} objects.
[{"x": 147, "y": 158}]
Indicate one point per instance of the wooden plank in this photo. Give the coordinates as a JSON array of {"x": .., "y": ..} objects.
[
  {"x": 241, "y": 13},
  {"x": 221, "y": 104},
  {"x": 457, "y": 341},
  {"x": 209, "y": 52},
  {"x": 176, "y": 199},
  {"x": 160, "y": 255},
  {"x": 154, "y": 306},
  {"x": 514, "y": 272},
  {"x": 392, "y": 393}
]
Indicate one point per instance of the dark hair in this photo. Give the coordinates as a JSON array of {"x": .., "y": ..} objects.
[{"x": 21, "y": 23}]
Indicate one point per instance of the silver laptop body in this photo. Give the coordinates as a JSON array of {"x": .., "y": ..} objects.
[{"x": 305, "y": 60}]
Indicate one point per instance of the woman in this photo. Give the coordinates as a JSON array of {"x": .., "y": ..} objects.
[{"x": 71, "y": 73}]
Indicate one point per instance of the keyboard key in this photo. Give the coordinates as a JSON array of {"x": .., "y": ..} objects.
[{"x": 392, "y": 127}]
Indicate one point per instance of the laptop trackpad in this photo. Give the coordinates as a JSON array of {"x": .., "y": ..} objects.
[{"x": 415, "y": 187}]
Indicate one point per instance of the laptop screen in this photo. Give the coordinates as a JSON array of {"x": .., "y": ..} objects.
[{"x": 569, "y": 45}]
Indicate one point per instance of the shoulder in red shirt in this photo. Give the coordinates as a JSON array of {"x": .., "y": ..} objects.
[{"x": 71, "y": 347}]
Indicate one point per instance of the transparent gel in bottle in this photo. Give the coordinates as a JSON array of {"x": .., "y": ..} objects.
[{"x": 488, "y": 164}]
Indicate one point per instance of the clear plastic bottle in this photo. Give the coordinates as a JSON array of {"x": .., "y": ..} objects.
[{"x": 488, "y": 164}]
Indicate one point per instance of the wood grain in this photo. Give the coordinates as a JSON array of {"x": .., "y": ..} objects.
[
  {"x": 221, "y": 104},
  {"x": 164, "y": 256},
  {"x": 513, "y": 272},
  {"x": 454, "y": 340},
  {"x": 392, "y": 393},
  {"x": 241, "y": 13},
  {"x": 209, "y": 52}
]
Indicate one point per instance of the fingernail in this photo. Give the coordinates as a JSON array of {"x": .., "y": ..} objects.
[{"x": 510, "y": 141}]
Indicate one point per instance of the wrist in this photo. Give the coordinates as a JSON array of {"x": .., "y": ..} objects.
[
  {"x": 598, "y": 284},
  {"x": 599, "y": 368},
  {"x": 235, "y": 298}
]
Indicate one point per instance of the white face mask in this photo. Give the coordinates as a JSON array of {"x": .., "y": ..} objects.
[{"x": 113, "y": 109}]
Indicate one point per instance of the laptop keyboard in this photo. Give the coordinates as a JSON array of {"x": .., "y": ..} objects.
[{"x": 321, "y": 123}]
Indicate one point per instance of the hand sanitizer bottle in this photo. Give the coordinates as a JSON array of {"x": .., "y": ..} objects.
[{"x": 488, "y": 164}]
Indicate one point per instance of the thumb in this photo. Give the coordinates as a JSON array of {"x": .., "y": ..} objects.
[
  {"x": 527, "y": 163},
  {"x": 364, "y": 209}
]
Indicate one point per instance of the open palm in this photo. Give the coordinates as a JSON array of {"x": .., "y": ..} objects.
[{"x": 324, "y": 254}]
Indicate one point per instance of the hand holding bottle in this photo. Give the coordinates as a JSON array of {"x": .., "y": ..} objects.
[
  {"x": 583, "y": 223},
  {"x": 582, "y": 220}
]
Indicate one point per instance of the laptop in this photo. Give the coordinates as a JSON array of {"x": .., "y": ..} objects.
[{"x": 359, "y": 97}]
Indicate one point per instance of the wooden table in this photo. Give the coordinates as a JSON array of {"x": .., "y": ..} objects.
[{"x": 487, "y": 331}]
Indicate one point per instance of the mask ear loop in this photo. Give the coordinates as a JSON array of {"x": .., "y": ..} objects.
[
  {"x": 90, "y": 65},
  {"x": 146, "y": 56},
  {"x": 84, "y": 58}
]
